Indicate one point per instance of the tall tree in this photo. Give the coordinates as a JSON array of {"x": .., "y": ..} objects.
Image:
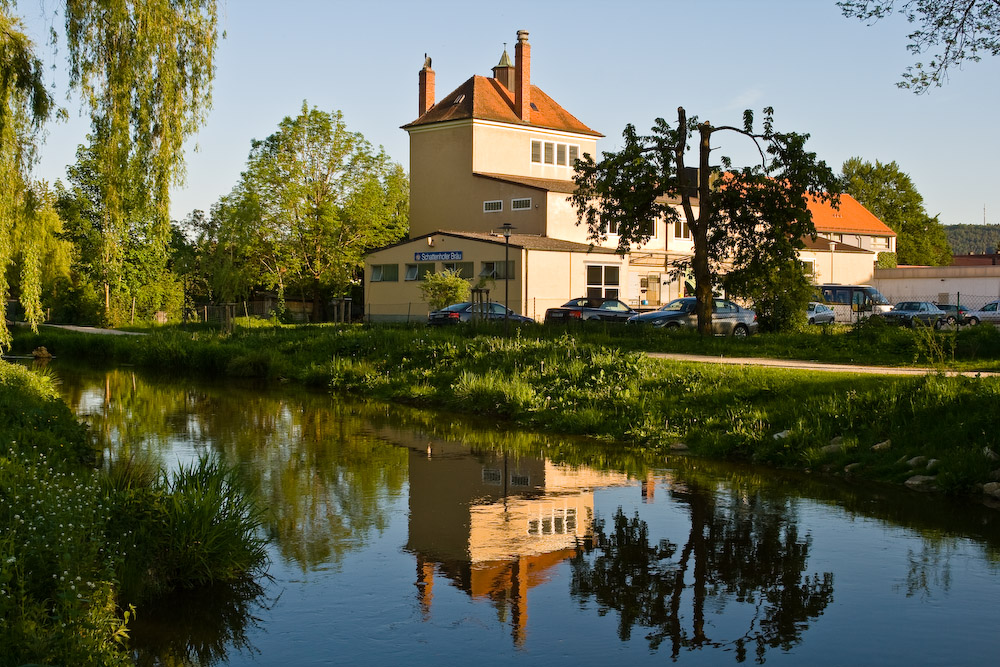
[
  {"x": 144, "y": 69},
  {"x": 889, "y": 193},
  {"x": 24, "y": 105},
  {"x": 313, "y": 199},
  {"x": 738, "y": 218},
  {"x": 953, "y": 31}
]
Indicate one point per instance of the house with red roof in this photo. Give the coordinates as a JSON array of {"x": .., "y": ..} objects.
[{"x": 491, "y": 169}]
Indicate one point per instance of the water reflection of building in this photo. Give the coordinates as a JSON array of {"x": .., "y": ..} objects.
[{"x": 495, "y": 524}]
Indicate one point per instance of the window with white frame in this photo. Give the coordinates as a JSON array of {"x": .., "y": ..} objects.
[
  {"x": 385, "y": 273},
  {"x": 809, "y": 267},
  {"x": 497, "y": 270},
  {"x": 419, "y": 271},
  {"x": 536, "y": 151},
  {"x": 603, "y": 281},
  {"x": 550, "y": 152},
  {"x": 561, "y": 155},
  {"x": 574, "y": 155},
  {"x": 880, "y": 241},
  {"x": 681, "y": 229},
  {"x": 493, "y": 206},
  {"x": 520, "y": 204}
]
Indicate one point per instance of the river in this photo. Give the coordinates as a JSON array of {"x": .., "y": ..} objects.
[{"x": 401, "y": 536}]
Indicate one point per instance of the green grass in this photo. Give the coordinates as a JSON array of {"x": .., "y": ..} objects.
[{"x": 595, "y": 382}]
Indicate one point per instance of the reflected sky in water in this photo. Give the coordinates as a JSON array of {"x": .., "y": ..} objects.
[{"x": 410, "y": 537}]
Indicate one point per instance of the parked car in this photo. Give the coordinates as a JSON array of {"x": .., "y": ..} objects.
[
  {"x": 818, "y": 313},
  {"x": 467, "y": 310},
  {"x": 589, "y": 309},
  {"x": 913, "y": 313},
  {"x": 954, "y": 313},
  {"x": 988, "y": 313},
  {"x": 727, "y": 317}
]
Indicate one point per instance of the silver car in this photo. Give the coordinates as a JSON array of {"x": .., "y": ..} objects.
[
  {"x": 727, "y": 317},
  {"x": 818, "y": 313},
  {"x": 915, "y": 313},
  {"x": 988, "y": 313}
]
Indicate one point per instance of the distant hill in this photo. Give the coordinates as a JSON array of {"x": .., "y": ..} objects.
[{"x": 974, "y": 239}]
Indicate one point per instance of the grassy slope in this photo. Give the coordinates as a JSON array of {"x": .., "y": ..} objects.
[{"x": 592, "y": 383}]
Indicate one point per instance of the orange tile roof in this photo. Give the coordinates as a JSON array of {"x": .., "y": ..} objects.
[
  {"x": 851, "y": 218},
  {"x": 485, "y": 98}
]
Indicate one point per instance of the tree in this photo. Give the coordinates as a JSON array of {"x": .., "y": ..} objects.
[
  {"x": 314, "y": 198},
  {"x": 889, "y": 193},
  {"x": 953, "y": 30},
  {"x": 444, "y": 288},
  {"x": 24, "y": 106},
  {"x": 745, "y": 217},
  {"x": 144, "y": 69},
  {"x": 779, "y": 292},
  {"x": 134, "y": 270}
]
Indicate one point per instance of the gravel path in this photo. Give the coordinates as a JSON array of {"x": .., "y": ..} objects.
[{"x": 814, "y": 365}]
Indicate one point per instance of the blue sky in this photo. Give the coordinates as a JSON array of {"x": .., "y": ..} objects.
[{"x": 608, "y": 63}]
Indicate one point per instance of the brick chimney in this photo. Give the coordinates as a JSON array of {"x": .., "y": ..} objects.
[
  {"x": 522, "y": 77},
  {"x": 426, "y": 96}
]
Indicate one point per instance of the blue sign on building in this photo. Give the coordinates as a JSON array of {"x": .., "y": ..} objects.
[{"x": 446, "y": 256}]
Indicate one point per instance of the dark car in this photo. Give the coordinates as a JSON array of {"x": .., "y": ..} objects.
[
  {"x": 589, "y": 309},
  {"x": 727, "y": 317},
  {"x": 818, "y": 313},
  {"x": 914, "y": 313},
  {"x": 467, "y": 311},
  {"x": 954, "y": 313}
]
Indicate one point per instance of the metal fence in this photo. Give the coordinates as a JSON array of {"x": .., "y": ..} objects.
[{"x": 969, "y": 301}]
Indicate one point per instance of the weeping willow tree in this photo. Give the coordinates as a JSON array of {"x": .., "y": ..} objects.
[
  {"x": 24, "y": 106},
  {"x": 144, "y": 70}
]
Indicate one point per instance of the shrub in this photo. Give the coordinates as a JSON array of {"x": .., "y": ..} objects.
[{"x": 444, "y": 288}]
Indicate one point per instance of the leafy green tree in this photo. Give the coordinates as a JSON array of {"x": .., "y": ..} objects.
[
  {"x": 779, "y": 292},
  {"x": 757, "y": 214},
  {"x": 954, "y": 31},
  {"x": 444, "y": 288},
  {"x": 314, "y": 198},
  {"x": 24, "y": 106},
  {"x": 144, "y": 70},
  {"x": 889, "y": 193},
  {"x": 138, "y": 282},
  {"x": 41, "y": 261}
]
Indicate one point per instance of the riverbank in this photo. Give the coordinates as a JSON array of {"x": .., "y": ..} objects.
[
  {"x": 82, "y": 543},
  {"x": 931, "y": 431}
]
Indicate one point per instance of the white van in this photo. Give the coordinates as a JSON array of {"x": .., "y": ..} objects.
[{"x": 851, "y": 303}]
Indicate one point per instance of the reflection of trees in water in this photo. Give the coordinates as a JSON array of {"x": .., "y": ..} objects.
[
  {"x": 200, "y": 627},
  {"x": 929, "y": 568},
  {"x": 741, "y": 549},
  {"x": 324, "y": 481}
]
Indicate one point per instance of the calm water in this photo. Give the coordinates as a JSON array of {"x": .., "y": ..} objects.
[{"x": 408, "y": 537}]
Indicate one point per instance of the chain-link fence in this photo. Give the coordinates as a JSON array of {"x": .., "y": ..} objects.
[{"x": 969, "y": 301}]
